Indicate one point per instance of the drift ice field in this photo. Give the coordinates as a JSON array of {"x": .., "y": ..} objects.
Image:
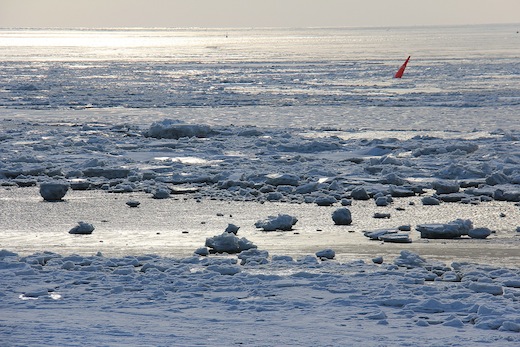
[{"x": 260, "y": 187}]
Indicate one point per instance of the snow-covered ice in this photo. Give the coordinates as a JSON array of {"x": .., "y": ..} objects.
[
  {"x": 282, "y": 222},
  {"x": 239, "y": 180},
  {"x": 262, "y": 132},
  {"x": 228, "y": 243},
  {"x": 82, "y": 228},
  {"x": 55, "y": 299},
  {"x": 266, "y": 173}
]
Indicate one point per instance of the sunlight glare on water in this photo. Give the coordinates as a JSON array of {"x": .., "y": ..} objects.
[
  {"x": 112, "y": 44},
  {"x": 451, "y": 67},
  {"x": 260, "y": 44}
]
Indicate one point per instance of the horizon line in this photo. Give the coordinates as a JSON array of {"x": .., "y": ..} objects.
[{"x": 254, "y": 27}]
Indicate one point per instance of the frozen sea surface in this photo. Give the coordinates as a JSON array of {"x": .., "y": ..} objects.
[
  {"x": 284, "y": 120},
  {"x": 49, "y": 299},
  {"x": 177, "y": 227},
  {"x": 230, "y": 170},
  {"x": 473, "y": 66}
]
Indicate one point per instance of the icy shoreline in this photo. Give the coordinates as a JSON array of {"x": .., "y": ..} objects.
[
  {"x": 200, "y": 301},
  {"x": 406, "y": 176},
  {"x": 135, "y": 277},
  {"x": 179, "y": 225},
  {"x": 117, "y": 163}
]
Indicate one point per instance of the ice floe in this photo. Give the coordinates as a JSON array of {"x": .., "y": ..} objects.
[
  {"x": 282, "y": 222},
  {"x": 82, "y": 228},
  {"x": 53, "y": 191}
]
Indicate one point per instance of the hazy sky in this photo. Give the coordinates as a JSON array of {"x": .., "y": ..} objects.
[{"x": 254, "y": 13}]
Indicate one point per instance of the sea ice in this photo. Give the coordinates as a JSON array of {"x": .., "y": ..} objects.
[
  {"x": 133, "y": 203},
  {"x": 375, "y": 234},
  {"x": 479, "y": 233},
  {"x": 359, "y": 193},
  {"x": 342, "y": 216},
  {"x": 107, "y": 172},
  {"x": 382, "y": 201},
  {"x": 326, "y": 254},
  {"x": 82, "y": 228},
  {"x": 395, "y": 238},
  {"x": 274, "y": 129},
  {"x": 253, "y": 255},
  {"x": 493, "y": 289},
  {"x": 325, "y": 200},
  {"x": 410, "y": 260},
  {"x": 228, "y": 243},
  {"x": 378, "y": 260},
  {"x": 282, "y": 222},
  {"x": 202, "y": 251},
  {"x": 454, "y": 229},
  {"x": 430, "y": 200},
  {"x": 232, "y": 228},
  {"x": 445, "y": 187},
  {"x": 161, "y": 193},
  {"x": 282, "y": 179},
  {"x": 53, "y": 191},
  {"x": 174, "y": 129}
]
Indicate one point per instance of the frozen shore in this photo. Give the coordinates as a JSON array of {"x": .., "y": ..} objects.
[
  {"x": 125, "y": 168},
  {"x": 53, "y": 299},
  {"x": 179, "y": 225},
  {"x": 213, "y": 173},
  {"x": 135, "y": 278}
]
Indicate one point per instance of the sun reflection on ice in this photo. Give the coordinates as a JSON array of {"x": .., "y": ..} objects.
[{"x": 188, "y": 160}]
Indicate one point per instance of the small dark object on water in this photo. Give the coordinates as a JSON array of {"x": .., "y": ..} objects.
[
  {"x": 133, "y": 203},
  {"x": 377, "y": 260},
  {"x": 381, "y": 215}
]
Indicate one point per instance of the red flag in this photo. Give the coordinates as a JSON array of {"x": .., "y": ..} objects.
[{"x": 400, "y": 72}]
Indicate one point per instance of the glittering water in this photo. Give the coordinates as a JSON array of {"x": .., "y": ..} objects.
[{"x": 454, "y": 67}]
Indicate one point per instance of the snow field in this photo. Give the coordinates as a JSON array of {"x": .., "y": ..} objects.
[{"x": 269, "y": 300}]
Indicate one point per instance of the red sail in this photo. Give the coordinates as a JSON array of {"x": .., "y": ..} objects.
[{"x": 400, "y": 72}]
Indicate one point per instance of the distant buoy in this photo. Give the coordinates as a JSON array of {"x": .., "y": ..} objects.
[{"x": 400, "y": 72}]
